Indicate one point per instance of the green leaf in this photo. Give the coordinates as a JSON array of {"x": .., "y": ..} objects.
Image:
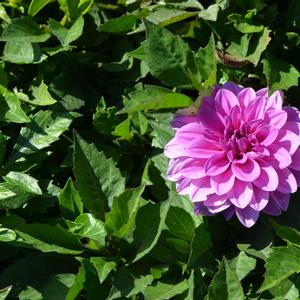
[
  {"x": 65, "y": 35},
  {"x": 17, "y": 189},
  {"x": 154, "y": 98},
  {"x": 89, "y": 227},
  {"x": 242, "y": 265},
  {"x": 281, "y": 264},
  {"x": 44, "y": 237},
  {"x": 121, "y": 24},
  {"x": 123, "y": 212},
  {"x": 130, "y": 281},
  {"x": 207, "y": 63},
  {"x": 169, "y": 58},
  {"x": 103, "y": 267},
  {"x": 243, "y": 24},
  {"x": 285, "y": 290},
  {"x": 11, "y": 110},
  {"x": 162, "y": 291},
  {"x": 75, "y": 8},
  {"x": 122, "y": 130},
  {"x": 288, "y": 234},
  {"x": 22, "y": 53},
  {"x": 149, "y": 223},
  {"x": 36, "y": 5},
  {"x": 44, "y": 129},
  {"x": 280, "y": 74},
  {"x": 99, "y": 180},
  {"x": 5, "y": 292},
  {"x": 201, "y": 243},
  {"x": 7, "y": 235},
  {"x": 180, "y": 224},
  {"x": 225, "y": 285},
  {"x": 24, "y": 29},
  {"x": 41, "y": 95},
  {"x": 69, "y": 201}
]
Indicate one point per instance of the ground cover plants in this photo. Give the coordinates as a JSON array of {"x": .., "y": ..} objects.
[{"x": 88, "y": 93}]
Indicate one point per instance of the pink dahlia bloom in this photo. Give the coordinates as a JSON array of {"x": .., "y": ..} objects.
[{"x": 239, "y": 154}]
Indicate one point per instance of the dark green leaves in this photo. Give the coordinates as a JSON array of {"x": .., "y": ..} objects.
[
  {"x": 169, "y": 58},
  {"x": 98, "y": 178},
  {"x": 280, "y": 74},
  {"x": 225, "y": 284},
  {"x": 24, "y": 30},
  {"x": 282, "y": 263}
]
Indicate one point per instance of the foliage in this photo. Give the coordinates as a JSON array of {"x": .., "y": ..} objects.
[{"x": 88, "y": 90}]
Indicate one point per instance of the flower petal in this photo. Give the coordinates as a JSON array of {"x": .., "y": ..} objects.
[
  {"x": 241, "y": 194},
  {"x": 223, "y": 182},
  {"x": 247, "y": 171},
  {"x": 259, "y": 200},
  {"x": 216, "y": 164},
  {"x": 245, "y": 96},
  {"x": 225, "y": 100},
  {"x": 280, "y": 158},
  {"x": 202, "y": 148},
  {"x": 268, "y": 178},
  {"x": 275, "y": 100},
  {"x": 295, "y": 161},
  {"x": 266, "y": 135},
  {"x": 247, "y": 216},
  {"x": 275, "y": 117},
  {"x": 281, "y": 199},
  {"x": 287, "y": 181}
]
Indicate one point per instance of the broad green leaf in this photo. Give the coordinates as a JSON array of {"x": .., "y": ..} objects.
[
  {"x": 87, "y": 280},
  {"x": 162, "y": 131},
  {"x": 129, "y": 281},
  {"x": 89, "y": 227},
  {"x": 30, "y": 293},
  {"x": 11, "y": 110},
  {"x": 3, "y": 14},
  {"x": 44, "y": 237},
  {"x": 17, "y": 189},
  {"x": 169, "y": 58},
  {"x": 75, "y": 8},
  {"x": 22, "y": 53},
  {"x": 70, "y": 202},
  {"x": 99, "y": 180},
  {"x": 280, "y": 74},
  {"x": 248, "y": 48},
  {"x": 242, "y": 265},
  {"x": 103, "y": 267},
  {"x": 123, "y": 212},
  {"x": 288, "y": 234},
  {"x": 180, "y": 223},
  {"x": 243, "y": 24},
  {"x": 104, "y": 119},
  {"x": 225, "y": 285},
  {"x": 211, "y": 13},
  {"x": 65, "y": 35},
  {"x": 201, "y": 243},
  {"x": 57, "y": 287},
  {"x": 179, "y": 245},
  {"x": 36, "y": 5},
  {"x": 207, "y": 63},
  {"x": 5, "y": 292},
  {"x": 121, "y": 24},
  {"x": 24, "y": 29},
  {"x": 281, "y": 264},
  {"x": 44, "y": 129},
  {"x": 162, "y": 291},
  {"x": 149, "y": 222},
  {"x": 154, "y": 98},
  {"x": 122, "y": 130},
  {"x": 7, "y": 235},
  {"x": 41, "y": 95},
  {"x": 285, "y": 290}
]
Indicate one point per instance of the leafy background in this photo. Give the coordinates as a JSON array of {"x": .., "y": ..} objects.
[{"x": 87, "y": 93}]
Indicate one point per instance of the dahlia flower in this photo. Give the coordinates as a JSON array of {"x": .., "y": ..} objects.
[{"x": 238, "y": 154}]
